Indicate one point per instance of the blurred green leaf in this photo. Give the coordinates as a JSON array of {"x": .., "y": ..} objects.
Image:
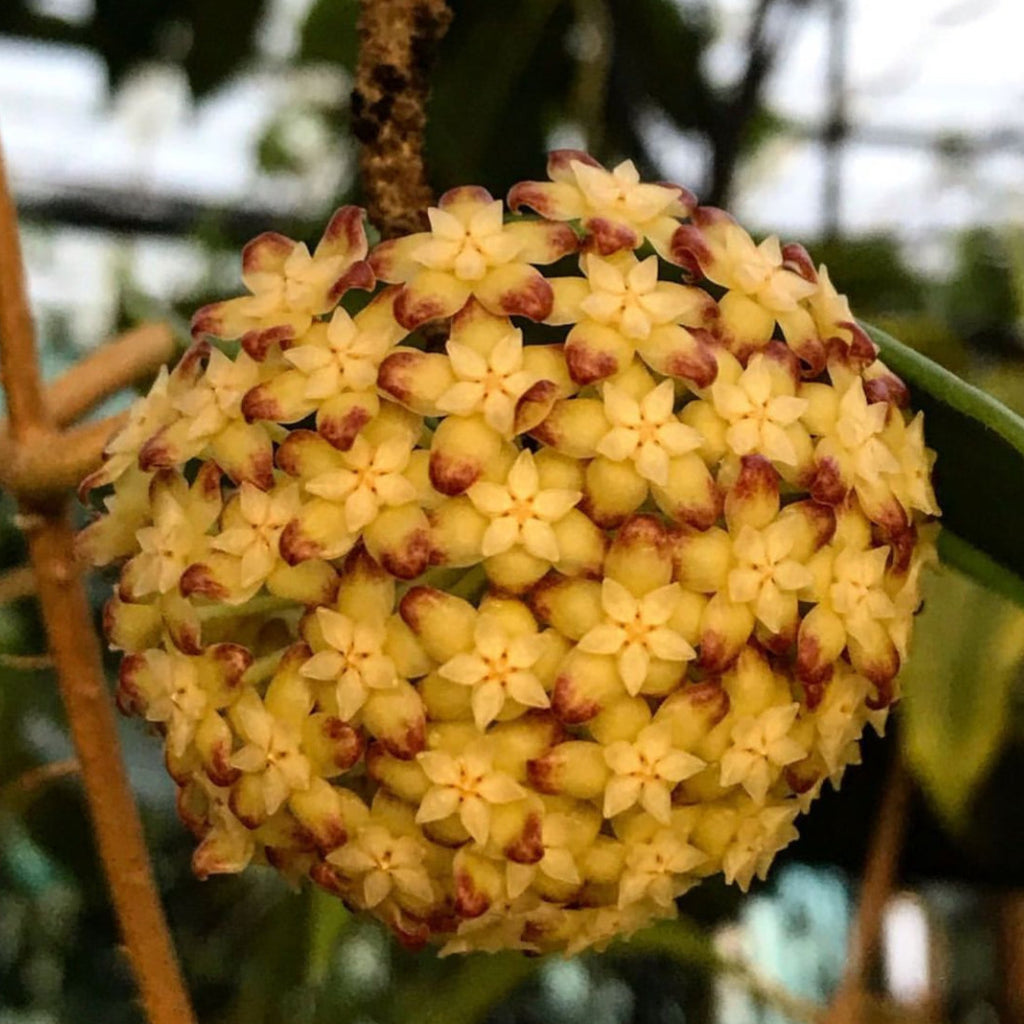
[
  {"x": 329, "y": 33},
  {"x": 967, "y": 657},
  {"x": 979, "y": 476}
]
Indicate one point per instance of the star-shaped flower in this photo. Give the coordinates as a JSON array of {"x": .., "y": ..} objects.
[
  {"x": 857, "y": 593},
  {"x": 635, "y": 630},
  {"x": 658, "y": 869},
  {"x": 521, "y": 512},
  {"x": 372, "y": 478},
  {"x": 617, "y": 209},
  {"x": 757, "y": 414},
  {"x": 498, "y": 668},
  {"x": 761, "y": 747},
  {"x": 386, "y": 864},
  {"x": 490, "y": 384},
  {"x": 760, "y": 834},
  {"x": 645, "y": 772},
  {"x": 765, "y": 576},
  {"x": 646, "y": 431},
  {"x": 468, "y": 785},
  {"x": 355, "y": 656}
]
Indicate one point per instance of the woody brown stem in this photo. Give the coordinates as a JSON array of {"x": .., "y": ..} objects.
[
  {"x": 876, "y": 887},
  {"x": 397, "y": 45},
  {"x": 76, "y": 656}
]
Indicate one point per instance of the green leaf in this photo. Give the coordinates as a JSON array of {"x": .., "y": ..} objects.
[
  {"x": 966, "y": 658},
  {"x": 979, "y": 475}
]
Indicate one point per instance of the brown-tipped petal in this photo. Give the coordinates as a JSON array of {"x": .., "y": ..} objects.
[
  {"x": 393, "y": 260},
  {"x": 581, "y": 545},
  {"x": 569, "y": 292},
  {"x": 521, "y": 740},
  {"x": 606, "y": 236},
  {"x": 571, "y": 606},
  {"x": 416, "y": 379},
  {"x": 874, "y": 656},
  {"x": 478, "y": 884},
  {"x": 320, "y": 810},
  {"x": 260, "y": 341},
  {"x": 444, "y": 700},
  {"x": 574, "y": 427},
  {"x": 817, "y": 525},
  {"x": 400, "y": 539},
  {"x": 318, "y": 531},
  {"x": 280, "y": 399},
  {"x": 456, "y": 533},
  {"x": 367, "y": 591},
  {"x": 397, "y": 718},
  {"x": 745, "y": 325},
  {"x": 547, "y": 363},
  {"x": 345, "y": 235},
  {"x": 516, "y": 829},
  {"x": 621, "y": 720},
  {"x": 535, "y": 405},
  {"x": 832, "y": 474},
  {"x": 215, "y": 578},
  {"x": 266, "y": 254},
  {"x": 690, "y": 496},
  {"x": 820, "y": 641},
  {"x": 311, "y": 582},
  {"x": 576, "y": 768},
  {"x": 594, "y": 352},
  {"x": 612, "y": 491},
  {"x": 542, "y": 242},
  {"x": 404, "y": 778},
  {"x": 724, "y": 630},
  {"x": 702, "y": 558},
  {"x": 515, "y": 289},
  {"x": 213, "y": 741},
  {"x": 305, "y": 454},
  {"x": 245, "y": 452},
  {"x": 131, "y": 627},
  {"x": 221, "y": 853},
  {"x": 558, "y": 200},
  {"x": 753, "y": 499},
  {"x": 429, "y": 295},
  {"x": 689, "y": 249},
  {"x": 586, "y": 684},
  {"x": 461, "y": 449},
  {"x": 331, "y": 744},
  {"x": 640, "y": 556},
  {"x": 443, "y": 623},
  {"x": 515, "y": 571},
  {"x": 677, "y": 352},
  {"x": 340, "y": 419},
  {"x": 693, "y": 711}
]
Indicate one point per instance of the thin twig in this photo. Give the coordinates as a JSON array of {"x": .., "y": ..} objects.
[
  {"x": 128, "y": 358},
  {"x": 16, "y": 584},
  {"x": 76, "y": 655},
  {"x": 26, "y": 662},
  {"x": 53, "y": 463},
  {"x": 397, "y": 44},
  {"x": 14, "y": 793},
  {"x": 879, "y": 877}
]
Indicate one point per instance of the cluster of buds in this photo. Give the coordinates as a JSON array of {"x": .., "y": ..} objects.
[{"x": 508, "y": 605}]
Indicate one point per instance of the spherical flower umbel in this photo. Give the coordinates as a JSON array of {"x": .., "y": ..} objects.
[{"x": 512, "y": 631}]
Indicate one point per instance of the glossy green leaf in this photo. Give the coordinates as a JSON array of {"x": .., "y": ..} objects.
[
  {"x": 979, "y": 475},
  {"x": 967, "y": 656}
]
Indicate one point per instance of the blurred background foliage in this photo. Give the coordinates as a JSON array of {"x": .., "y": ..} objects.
[{"x": 618, "y": 77}]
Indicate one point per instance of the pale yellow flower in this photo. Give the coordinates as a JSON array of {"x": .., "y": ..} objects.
[
  {"x": 761, "y": 747},
  {"x": 645, "y": 772},
  {"x": 385, "y": 864},
  {"x": 647, "y": 431},
  {"x": 658, "y": 869},
  {"x": 635, "y": 630},
  {"x": 521, "y": 512}
]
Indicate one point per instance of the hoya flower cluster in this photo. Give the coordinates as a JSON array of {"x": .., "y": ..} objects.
[{"x": 510, "y": 578}]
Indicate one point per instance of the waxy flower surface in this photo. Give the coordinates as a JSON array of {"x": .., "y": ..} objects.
[{"x": 512, "y": 630}]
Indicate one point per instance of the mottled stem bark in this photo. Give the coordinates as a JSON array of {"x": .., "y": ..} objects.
[
  {"x": 398, "y": 42},
  {"x": 880, "y": 873},
  {"x": 76, "y": 655}
]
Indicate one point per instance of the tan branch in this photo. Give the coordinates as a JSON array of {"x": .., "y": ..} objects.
[
  {"x": 14, "y": 793},
  {"x": 128, "y": 358},
  {"x": 876, "y": 887},
  {"x": 397, "y": 43},
  {"x": 54, "y": 463},
  {"x": 76, "y": 654},
  {"x": 25, "y": 662},
  {"x": 17, "y": 583}
]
